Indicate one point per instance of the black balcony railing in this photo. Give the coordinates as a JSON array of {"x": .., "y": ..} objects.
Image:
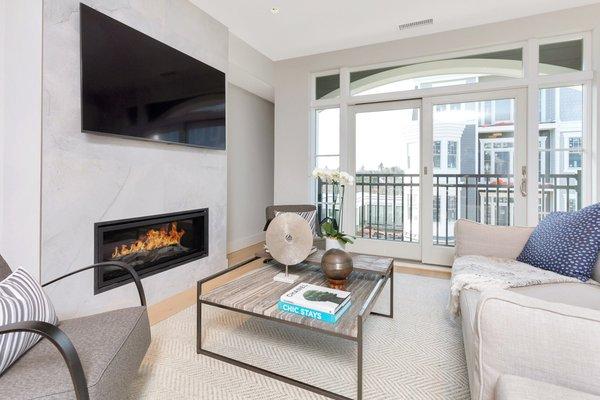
[{"x": 388, "y": 205}]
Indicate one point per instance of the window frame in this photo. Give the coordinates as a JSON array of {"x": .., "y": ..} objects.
[{"x": 531, "y": 80}]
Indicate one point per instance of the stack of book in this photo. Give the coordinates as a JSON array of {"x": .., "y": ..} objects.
[{"x": 317, "y": 302}]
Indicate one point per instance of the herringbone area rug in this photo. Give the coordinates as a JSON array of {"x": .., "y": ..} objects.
[{"x": 417, "y": 355}]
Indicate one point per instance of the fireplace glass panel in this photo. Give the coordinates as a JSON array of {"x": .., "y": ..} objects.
[{"x": 149, "y": 245}]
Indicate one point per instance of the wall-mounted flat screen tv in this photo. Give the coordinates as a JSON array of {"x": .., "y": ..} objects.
[{"x": 137, "y": 87}]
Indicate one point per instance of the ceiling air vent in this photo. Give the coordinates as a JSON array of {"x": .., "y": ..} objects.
[{"x": 415, "y": 24}]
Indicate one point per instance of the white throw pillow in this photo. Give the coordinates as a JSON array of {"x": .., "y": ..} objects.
[{"x": 21, "y": 299}]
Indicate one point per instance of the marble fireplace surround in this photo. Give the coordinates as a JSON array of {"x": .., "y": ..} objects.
[{"x": 88, "y": 178}]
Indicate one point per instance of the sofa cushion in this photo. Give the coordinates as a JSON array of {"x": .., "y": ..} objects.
[
  {"x": 21, "y": 299},
  {"x": 110, "y": 345},
  {"x": 566, "y": 243},
  {"x": 468, "y": 307},
  {"x": 573, "y": 294},
  {"x": 473, "y": 238},
  {"x": 511, "y": 387}
]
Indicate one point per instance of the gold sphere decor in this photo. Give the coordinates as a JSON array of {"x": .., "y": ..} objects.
[{"x": 337, "y": 266}]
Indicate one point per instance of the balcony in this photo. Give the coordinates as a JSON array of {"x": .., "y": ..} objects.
[{"x": 388, "y": 205}]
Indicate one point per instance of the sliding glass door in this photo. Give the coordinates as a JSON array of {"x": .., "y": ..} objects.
[
  {"x": 386, "y": 211},
  {"x": 422, "y": 165},
  {"x": 476, "y": 166}
]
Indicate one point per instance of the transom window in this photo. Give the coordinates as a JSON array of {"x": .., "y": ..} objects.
[
  {"x": 487, "y": 67},
  {"x": 561, "y": 57},
  {"x": 327, "y": 87}
]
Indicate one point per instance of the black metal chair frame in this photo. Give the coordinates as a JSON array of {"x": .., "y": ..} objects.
[{"x": 60, "y": 340}]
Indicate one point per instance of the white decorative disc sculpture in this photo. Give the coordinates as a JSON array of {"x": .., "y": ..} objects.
[{"x": 289, "y": 240}]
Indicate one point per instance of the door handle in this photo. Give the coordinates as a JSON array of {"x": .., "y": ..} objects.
[{"x": 523, "y": 186}]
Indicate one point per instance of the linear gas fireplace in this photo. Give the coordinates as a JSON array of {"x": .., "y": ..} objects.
[{"x": 149, "y": 244}]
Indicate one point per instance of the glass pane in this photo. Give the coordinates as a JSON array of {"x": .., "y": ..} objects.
[
  {"x": 562, "y": 57},
  {"x": 387, "y": 175},
  {"x": 328, "y": 131},
  {"x": 473, "y": 153},
  {"x": 329, "y": 162},
  {"x": 456, "y": 71},
  {"x": 327, "y": 87},
  {"x": 561, "y": 147}
]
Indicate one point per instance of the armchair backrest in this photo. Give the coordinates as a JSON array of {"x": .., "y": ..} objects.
[
  {"x": 295, "y": 208},
  {"x": 4, "y": 269}
]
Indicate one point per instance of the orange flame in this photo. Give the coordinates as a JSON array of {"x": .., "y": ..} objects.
[{"x": 153, "y": 239}]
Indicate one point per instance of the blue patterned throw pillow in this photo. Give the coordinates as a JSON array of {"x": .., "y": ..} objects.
[{"x": 566, "y": 243}]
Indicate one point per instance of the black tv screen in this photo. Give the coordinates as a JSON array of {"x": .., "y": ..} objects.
[{"x": 135, "y": 86}]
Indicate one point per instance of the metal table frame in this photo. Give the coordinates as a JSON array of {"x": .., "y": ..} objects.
[{"x": 362, "y": 316}]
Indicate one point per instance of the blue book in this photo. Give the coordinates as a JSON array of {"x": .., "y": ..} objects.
[{"x": 307, "y": 312}]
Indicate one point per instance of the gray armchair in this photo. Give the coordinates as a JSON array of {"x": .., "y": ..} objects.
[
  {"x": 93, "y": 357},
  {"x": 297, "y": 208}
]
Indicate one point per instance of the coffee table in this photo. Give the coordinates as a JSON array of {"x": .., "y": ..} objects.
[{"x": 256, "y": 294}]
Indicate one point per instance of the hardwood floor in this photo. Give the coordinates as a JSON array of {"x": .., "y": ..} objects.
[
  {"x": 417, "y": 268},
  {"x": 174, "y": 304}
]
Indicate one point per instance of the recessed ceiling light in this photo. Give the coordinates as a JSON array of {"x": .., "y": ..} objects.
[{"x": 274, "y": 10}]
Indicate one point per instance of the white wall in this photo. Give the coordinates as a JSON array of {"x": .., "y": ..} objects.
[
  {"x": 292, "y": 81},
  {"x": 21, "y": 134},
  {"x": 56, "y": 181},
  {"x": 250, "y": 69},
  {"x": 2, "y": 91},
  {"x": 90, "y": 178},
  {"x": 249, "y": 166},
  {"x": 250, "y": 127}
]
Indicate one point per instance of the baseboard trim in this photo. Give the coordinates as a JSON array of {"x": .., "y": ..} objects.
[{"x": 171, "y": 305}]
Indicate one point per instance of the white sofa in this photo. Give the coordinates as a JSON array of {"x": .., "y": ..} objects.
[{"x": 548, "y": 334}]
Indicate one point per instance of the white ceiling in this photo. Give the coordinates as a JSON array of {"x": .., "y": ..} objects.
[{"x": 304, "y": 27}]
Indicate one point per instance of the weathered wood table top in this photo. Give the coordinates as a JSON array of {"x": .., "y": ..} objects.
[{"x": 256, "y": 293}]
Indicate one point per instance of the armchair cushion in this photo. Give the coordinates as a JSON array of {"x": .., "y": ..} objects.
[
  {"x": 21, "y": 299},
  {"x": 4, "y": 269},
  {"x": 110, "y": 345}
]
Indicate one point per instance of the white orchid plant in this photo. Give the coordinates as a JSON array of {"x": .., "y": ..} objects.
[
  {"x": 333, "y": 176},
  {"x": 331, "y": 227}
]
